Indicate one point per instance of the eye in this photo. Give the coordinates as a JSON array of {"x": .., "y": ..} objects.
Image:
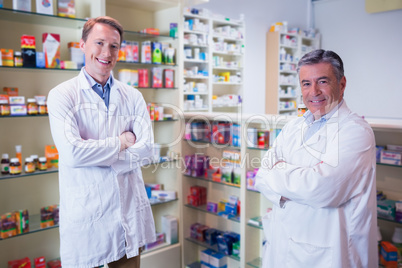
[
  {"x": 323, "y": 81},
  {"x": 305, "y": 84},
  {"x": 99, "y": 43},
  {"x": 114, "y": 47}
]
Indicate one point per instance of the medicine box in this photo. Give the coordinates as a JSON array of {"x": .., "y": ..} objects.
[
  {"x": 51, "y": 48},
  {"x": 388, "y": 254},
  {"x": 146, "y": 52},
  {"x": 170, "y": 228},
  {"x": 386, "y": 209},
  {"x": 164, "y": 194},
  {"x": 205, "y": 255},
  {"x": 391, "y": 157},
  {"x": 16, "y": 100},
  {"x": 217, "y": 260}
]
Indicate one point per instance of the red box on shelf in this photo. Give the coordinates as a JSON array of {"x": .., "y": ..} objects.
[{"x": 143, "y": 79}]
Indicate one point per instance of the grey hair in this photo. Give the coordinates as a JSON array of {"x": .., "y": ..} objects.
[{"x": 320, "y": 56}]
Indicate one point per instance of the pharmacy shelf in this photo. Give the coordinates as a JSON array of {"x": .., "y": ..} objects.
[
  {"x": 214, "y": 247},
  {"x": 158, "y": 247},
  {"x": 155, "y": 202},
  {"x": 148, "y": 64},
  {"x": 389, "y": 165},
  {"x": 23, "y": 174},
  {"x": 37, "y": 69},
  {"x": 210, "y": 180},
  {"x": 146, "y": 36},
  {"x": 203, "y": 208},
  {"x": 256, "y": 263},
  {"x": 24, "y": 116},
  {"x": 387, "y": 220},
  {"x": 34, "y": 227},
  {"x": 41, "y": 19},
  {"x": 219, "y": 145}
]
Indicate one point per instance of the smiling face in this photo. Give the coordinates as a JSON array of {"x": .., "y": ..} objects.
[
  {"x": 101, "y": 51},
  {"x": 320, "y": 89}
]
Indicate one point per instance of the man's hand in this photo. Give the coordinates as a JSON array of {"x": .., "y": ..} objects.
[{"x": 127, "y": 139}]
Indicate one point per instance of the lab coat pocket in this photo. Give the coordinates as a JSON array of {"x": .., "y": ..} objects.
[
  {"x": 84, "y": 204},
  {"x": 267, "y": 226},
  {"x": 308, "y": 255}
]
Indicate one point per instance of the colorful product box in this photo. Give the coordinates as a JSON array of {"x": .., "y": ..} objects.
[
  {"x": 143, "y": 78},
  {"x": 54, "y": 264},
  {"x": 40, "y": 262},
  {"x": 52, "y": 156},
  {"x": 156, "y": 77},
  {"x": 391, "y": 157},
  {"x": 66, "y": 8},
  {"x": 146, "y": 56},
  {"x": 51, "y": 48},
  {"x": 28, "y": 50},
  {"x": 10, "y": 91},
  {"x": 386, "y": 209},
  {"x": 18, "y": 110},
  {"x": 49, "y": 216},
  {"x": 156, "y": 49},
  {"x": 8, "y": 225},
  {"x": 16, "y": 100},
  {"x": 388, "y": 254},
  {"x": 21, "y": 263},
  {"x": 7, "y": 57},
  {"x": 168, "y": 75}
]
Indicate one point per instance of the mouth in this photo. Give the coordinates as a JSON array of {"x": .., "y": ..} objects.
[
  {"x": 317, "y": 101},
  {"x": 103, "y": 61}
]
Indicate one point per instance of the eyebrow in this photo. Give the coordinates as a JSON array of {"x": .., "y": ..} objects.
[{"x": 319, "y": 78}]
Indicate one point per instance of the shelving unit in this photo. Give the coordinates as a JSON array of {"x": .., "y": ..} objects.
[
  {"x": 135, "y": 16},
  {"x": 39, "y": 189},
  {"x": 389, "y": 178},
  {"x": 222, "y": 53},
  {"x": 283, "y": 51},
  {"x": 253, "y": 204}
]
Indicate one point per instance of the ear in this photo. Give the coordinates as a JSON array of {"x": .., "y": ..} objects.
[
  {"x": 82, "y": 45},
  {"x": 343, "y": 85}
]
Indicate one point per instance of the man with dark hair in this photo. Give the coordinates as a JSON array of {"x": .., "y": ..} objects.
[
  {"x": 102, "y": 130},
  {"x": 320, "y": 177}
]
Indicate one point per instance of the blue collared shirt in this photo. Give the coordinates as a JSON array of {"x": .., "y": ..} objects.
[
  {"x": 103, "y": 92},
  {"x": 315, "y": 125}
]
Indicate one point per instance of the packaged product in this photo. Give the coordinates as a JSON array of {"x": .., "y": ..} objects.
[
  {"x": 28, "y": 49},
  {"x": 51, "y": 48},
  {"x": 66, "y": 8},
  {"x": 10, "y": 91},
  {"x": 21, "y": 263},
  {"x": 7, "y": 57},
  {"x": 52, "y": 156}
]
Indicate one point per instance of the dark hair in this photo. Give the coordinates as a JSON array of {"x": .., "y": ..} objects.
[
  {"x": 105, "y": 20},
  {"x": 319, "y": 56}
]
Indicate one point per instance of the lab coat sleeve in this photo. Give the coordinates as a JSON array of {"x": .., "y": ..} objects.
[
  {"x": 73, "y": 150},
  {"x": 141, "y": 152},
  {"x": 262, "y": 184},
  {"x": 345, "y": 170}
]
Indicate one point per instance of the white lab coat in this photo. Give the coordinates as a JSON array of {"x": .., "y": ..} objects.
[
  {"x": 331, "y": 219},
  {"x": 104, "y": 210}
]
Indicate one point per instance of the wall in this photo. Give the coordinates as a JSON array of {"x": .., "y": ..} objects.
[
  {"x": 259, "y": 15},
  {"x": 369, "y": 44}
]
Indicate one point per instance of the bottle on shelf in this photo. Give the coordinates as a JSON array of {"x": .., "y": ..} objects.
[
  {"x": 15, "y": 166},
  {"x": 5, "y": 164},
  {"x": 18, "y": 154}
]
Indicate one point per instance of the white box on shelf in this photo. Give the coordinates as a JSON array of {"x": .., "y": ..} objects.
[{"x": 170, "y": 228}]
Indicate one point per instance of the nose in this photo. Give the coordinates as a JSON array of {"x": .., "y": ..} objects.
[
  {"x": 106, "y": 51},
  {"x": 315, "y": 89}
]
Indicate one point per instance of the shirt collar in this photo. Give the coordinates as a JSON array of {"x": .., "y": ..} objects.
[
  {"x": 308, "y": 116},
  {"x": 93, "y": 83}
]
